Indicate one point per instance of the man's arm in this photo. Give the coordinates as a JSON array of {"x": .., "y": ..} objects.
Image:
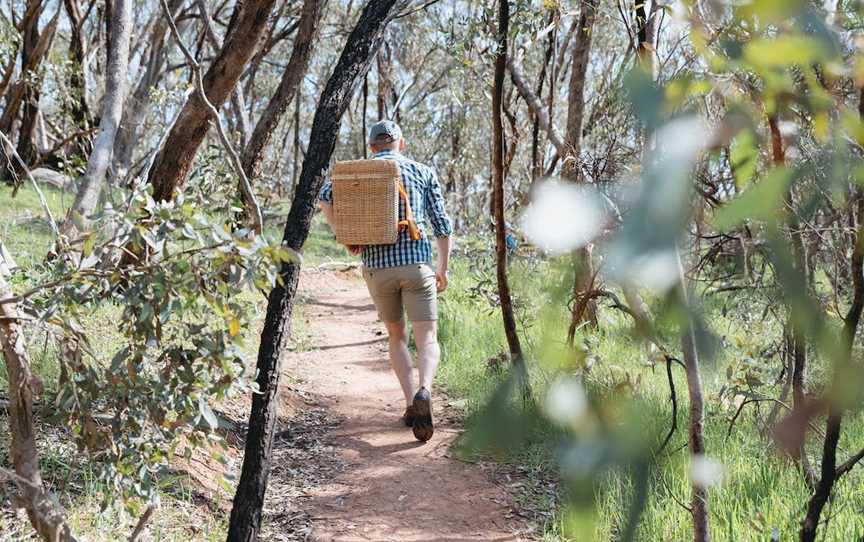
[
  {"x": 327, "y": 209},
  {"x": 441, "y": 279},
  {"x": 442, "y": 227},
  {"x": 325, "y": 202}
]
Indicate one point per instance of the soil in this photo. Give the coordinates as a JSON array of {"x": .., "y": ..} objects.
[{"x": 387, "y": 485}]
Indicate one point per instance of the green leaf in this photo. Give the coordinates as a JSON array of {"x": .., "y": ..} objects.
[
  {"x": 87, "y": 247},
  {"x": 744, "y": 156},
  {"x": 784, "y": 51},
  {"x": 760, "y": 202},
  {"x": 207, "y": 413},
  {"x": 773, "y": 11}
]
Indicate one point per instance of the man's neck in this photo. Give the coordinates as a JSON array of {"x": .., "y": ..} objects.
[{"x": 385, "y": 151}]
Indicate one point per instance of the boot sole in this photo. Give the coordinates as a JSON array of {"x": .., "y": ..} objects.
[{"x": 422, "y": 426}]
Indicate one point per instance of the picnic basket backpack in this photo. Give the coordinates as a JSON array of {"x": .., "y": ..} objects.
[{"x": 366, "y": 197}]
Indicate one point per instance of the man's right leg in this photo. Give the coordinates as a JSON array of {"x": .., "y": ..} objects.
[
  {"x": 400, "y": 358},
  {"x": 386, "y": 294}
]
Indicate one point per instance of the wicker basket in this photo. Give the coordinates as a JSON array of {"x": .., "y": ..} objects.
[{"x": 366, "y": 201}]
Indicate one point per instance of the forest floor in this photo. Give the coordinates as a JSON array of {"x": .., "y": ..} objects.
[{"x": 384, "y": 485}]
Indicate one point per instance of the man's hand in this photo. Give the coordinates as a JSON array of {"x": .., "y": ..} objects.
[
  {"x": 355, "y": 250},
  {"x": 441, "y": 279}
]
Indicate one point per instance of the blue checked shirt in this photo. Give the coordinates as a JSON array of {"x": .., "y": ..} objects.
[{"x": 427, "y": 203}]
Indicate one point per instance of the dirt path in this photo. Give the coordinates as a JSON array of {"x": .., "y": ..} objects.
[{"x": 390, "y": 487}]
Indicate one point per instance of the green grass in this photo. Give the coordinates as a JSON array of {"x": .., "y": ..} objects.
[{"x": 761, "y": 492}]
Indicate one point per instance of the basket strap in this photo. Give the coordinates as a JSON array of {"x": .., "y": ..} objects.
[{"x": 409, "y": 223}]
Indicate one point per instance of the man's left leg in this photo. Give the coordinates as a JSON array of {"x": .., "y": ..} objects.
[{"x": 428, "y": 351}]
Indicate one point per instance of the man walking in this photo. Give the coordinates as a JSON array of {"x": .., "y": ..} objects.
[{"x": 400, "y": 278}]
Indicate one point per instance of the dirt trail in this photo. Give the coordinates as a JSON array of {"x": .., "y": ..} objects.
[{"x": 390, "y": 487}]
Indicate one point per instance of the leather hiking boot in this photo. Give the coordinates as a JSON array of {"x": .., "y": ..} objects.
[
  {"x": 422, "y": 425},
  {"x": 409, "y": 416}
]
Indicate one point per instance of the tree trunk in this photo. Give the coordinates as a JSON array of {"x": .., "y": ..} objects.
[
  {"x": 77, "y": 80},
  {"x": 238, "y": 100},
  {"x": 696, "y": 438},
  {"x": 304, "y": 45},
  {"x": 175, "y": 158},
  {"x": 498, "y": 185},
  {"x": 537, "y": 161},
  {"x": 584, "y": 269},
  {"x": 829, "y": 472},
  {"x": 646, "y": 34},
  {"x": 356, "y": 58},
  {"x": 41, "y": 510},
  {"x": 112, "y": 109},
  {"x": 385, "y": 81},
  {"x": 136, "y": 107},
  {"x": 25, "y": 94},
  {"x": 797, "y": 338}
]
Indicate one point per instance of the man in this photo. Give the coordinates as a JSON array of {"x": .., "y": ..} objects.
[{"x": 400, "y": 279}]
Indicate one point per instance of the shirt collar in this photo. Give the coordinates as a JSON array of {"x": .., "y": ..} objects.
[{"x": 385, "y": 153}]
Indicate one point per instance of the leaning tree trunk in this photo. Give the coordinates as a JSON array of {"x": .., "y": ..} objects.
[
  {"x": 584, "y": 307},
  {"x": 172, "y": 163},
  {"x": 498, "y": 186},
  {"x": 304, "y": 45},
  {"x": 353, "y": 64},
  {"x": 23, "y": 454},
  {"x": 112, "y": 110}
]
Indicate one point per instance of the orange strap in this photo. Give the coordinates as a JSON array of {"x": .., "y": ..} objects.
[{"x": 409, "y": 221}]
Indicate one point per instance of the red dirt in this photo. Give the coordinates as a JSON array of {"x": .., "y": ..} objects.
[{"x": 391, "y": 487}]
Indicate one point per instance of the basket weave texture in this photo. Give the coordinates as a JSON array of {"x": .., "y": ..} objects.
[{"x": 366, "y": 201}]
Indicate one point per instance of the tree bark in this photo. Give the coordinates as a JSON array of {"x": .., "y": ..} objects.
[
  {"x": 41, "y": 510},
  {"x": 537, "y": 161},
  {"x": 583, "y": 266},
  {"x": 797, "y": 338},
  {"x": 356, "y": 58},
  {"x": 696, "y": 438},
  {"x": 112, "y": 109},
  {"x": 79, "y": 110},
  {"x": 172, "y": 163},
  {"x": 385, "y": 81},
  {"x": 304, "y": 45},
  {"x": 238, "y": 100},
  {"x": 498, "y": 185},
  {"x": 646, "y": 33},
  {"x": 24, "y": 95},
  {"x": 136, "y": 107}
]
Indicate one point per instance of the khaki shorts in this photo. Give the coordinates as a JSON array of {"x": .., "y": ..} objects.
[{"x": 411, "y": 286}]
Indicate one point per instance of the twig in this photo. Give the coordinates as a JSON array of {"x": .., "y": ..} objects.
[
  {"x": 142, "y": 521},
  {"x": 42, "y": 201},
  {"x": 254, "y": 208},
  {"x": 674, "y": 397},
  {"x": 415, "y": 10},
  {"x": 849, "y": 464}
]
